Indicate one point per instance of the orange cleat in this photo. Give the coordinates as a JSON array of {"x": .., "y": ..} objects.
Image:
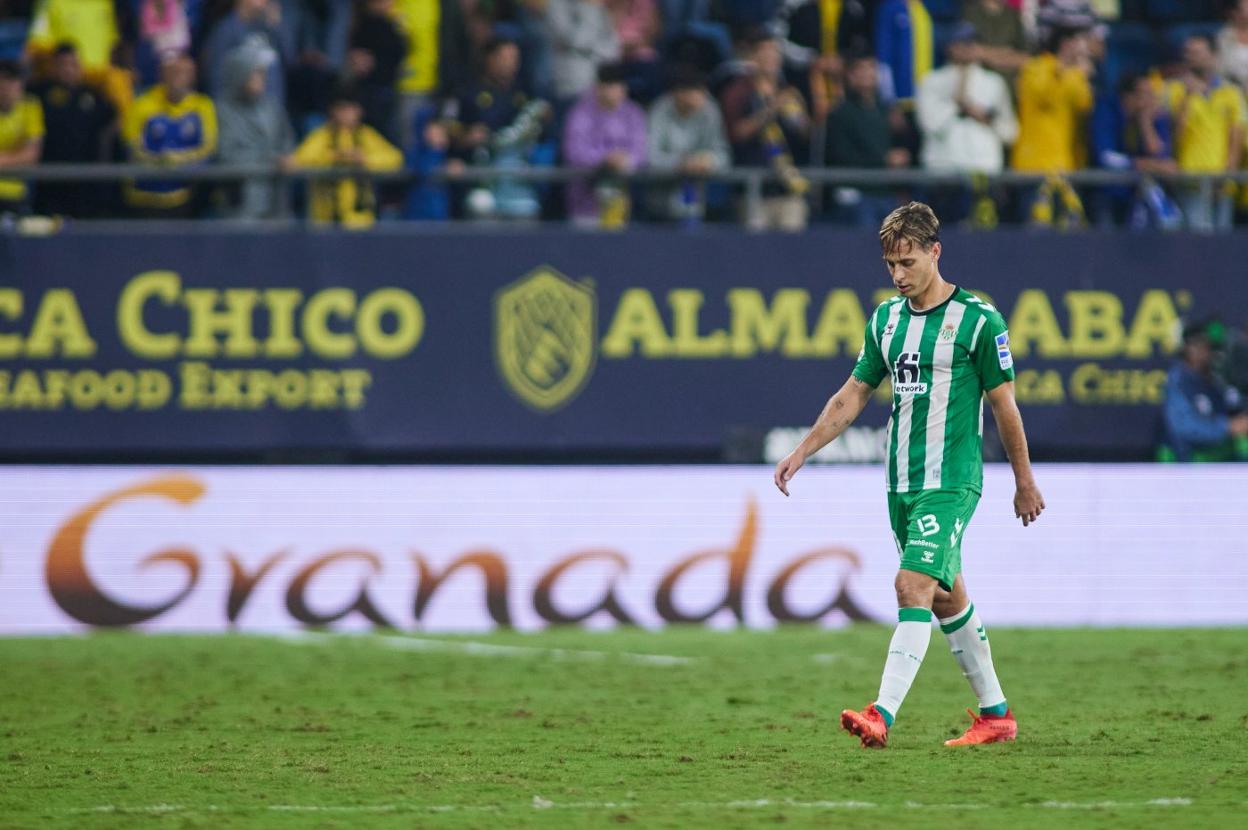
[
  {"x": 868, "y": 725},
  {"x": 987, "y": 729}
]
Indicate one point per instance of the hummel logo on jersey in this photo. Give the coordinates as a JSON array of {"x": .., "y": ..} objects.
[
  {"x": 906, "y": 375},
  {"x": 957, "y": 530},
  {"x": 1003, "y": 350}
]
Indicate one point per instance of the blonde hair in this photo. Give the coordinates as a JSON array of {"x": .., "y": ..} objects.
[{"x": 915, "y": 222}]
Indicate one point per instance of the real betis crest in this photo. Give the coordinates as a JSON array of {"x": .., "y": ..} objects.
[{"x": 948, "y": 332}]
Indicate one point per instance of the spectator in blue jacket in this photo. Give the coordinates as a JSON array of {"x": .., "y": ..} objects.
[
  {"x": 1203, "y": 418},
  {"x": 1134, "y": 130}
]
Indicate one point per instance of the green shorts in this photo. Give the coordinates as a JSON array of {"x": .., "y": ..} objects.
[{"x": 928, "y": 526}]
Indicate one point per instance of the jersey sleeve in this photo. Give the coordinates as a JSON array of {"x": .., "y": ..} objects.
[
  {"x": 870, "y": 368},
  {"x": 991, "y": 352}
]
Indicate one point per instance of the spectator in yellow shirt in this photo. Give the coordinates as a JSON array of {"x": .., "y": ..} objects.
[
  {"x": 171, "y": 126},
  {"x": 1210, "y": 117},
  {"x": 90, "y": 25},
  {"x": 1054, "y": 95},
  {"x": 345, "y": 143},
  {"x": 1054, "y": 98},
  {"x": 21, "y": 134},
  {"x": 439, "y": 55}
]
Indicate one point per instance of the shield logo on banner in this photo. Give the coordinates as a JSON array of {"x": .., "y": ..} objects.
[{"x": 544, "y": 337}]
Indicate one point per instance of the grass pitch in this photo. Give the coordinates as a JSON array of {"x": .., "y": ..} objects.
[{"x": 1118, "y": 729}]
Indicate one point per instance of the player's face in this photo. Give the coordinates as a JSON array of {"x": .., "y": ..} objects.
[{"x": 911, "y": 267}]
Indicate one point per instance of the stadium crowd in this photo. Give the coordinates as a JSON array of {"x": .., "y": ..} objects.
[{"x": 681, "y": 88}]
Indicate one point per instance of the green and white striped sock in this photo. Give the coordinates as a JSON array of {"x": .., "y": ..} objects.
[
  {"x": 905, "y": 655},
  {"x": 969, "y": 643}
]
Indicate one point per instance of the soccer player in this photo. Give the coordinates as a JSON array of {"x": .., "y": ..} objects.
[{"x": 944, "y": 348}]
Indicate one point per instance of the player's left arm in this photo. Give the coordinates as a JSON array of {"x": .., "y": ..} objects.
[{"x": 1028, "y": 503}]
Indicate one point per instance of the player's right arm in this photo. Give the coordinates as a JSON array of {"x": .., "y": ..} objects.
[
  {"x": 839, "y": 412},
  {"x": 842, "y": 408}
]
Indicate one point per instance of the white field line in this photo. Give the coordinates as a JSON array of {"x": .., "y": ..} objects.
[
  {"x": 483, "y": 649},
  {"x": 827, "y": 658},
  {"x": 539, "y": 803},
  {"x": 1099, "y": 805}
]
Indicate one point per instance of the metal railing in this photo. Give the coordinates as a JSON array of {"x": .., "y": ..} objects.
[
  {"x": 750, "y": 181},
  {"x": 846, "y": 176}
]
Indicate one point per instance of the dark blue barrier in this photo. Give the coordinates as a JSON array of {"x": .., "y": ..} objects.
[{"x": 551, "y": 341}]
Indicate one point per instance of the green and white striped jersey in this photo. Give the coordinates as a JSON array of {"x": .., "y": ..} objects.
[{"x": 941, "y": 362}]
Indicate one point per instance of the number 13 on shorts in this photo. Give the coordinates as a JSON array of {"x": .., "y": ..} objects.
[{"x": 929, "y": 525}]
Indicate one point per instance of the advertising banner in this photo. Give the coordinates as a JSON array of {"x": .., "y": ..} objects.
[
  {"x": 476, "y": 548},
  {"x": 553, "y": 341}
]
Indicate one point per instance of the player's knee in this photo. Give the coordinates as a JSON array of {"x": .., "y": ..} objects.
[
  {"x": 944, "y": 604},
  {"x": 942, "y": 607},
  {"x": 914, "y": 590}
]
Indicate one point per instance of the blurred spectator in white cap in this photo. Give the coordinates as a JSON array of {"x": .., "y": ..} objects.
[
  {"x": 965, "y": 111},
  {"x": 966, "y": 114}
]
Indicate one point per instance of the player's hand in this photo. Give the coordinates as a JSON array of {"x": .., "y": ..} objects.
[
  {"x": 787, "y": 468},
  {"x": 1028, "y": 503}
]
